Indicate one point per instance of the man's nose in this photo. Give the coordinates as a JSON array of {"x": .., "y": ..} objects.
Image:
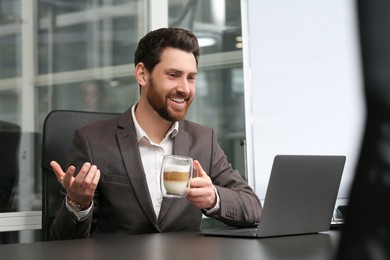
[{"x": 184, "y": 85}]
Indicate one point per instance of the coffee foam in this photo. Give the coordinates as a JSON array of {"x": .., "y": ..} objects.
[{"x": 177, "y": 168}]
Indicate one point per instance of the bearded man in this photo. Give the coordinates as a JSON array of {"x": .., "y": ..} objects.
[{"x": 112, "y": 182}]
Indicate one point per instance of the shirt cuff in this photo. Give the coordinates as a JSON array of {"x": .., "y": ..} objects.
[
  {"x": 217, "y": 206},
  {"x": 81, "y": 215}
]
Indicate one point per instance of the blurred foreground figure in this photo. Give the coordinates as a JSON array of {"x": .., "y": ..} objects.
[{"x": 366, "y": 234}]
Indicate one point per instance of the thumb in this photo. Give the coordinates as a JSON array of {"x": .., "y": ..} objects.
[
  {"x": 57, "y": 170},
  {"x": 198, "y": 170}
]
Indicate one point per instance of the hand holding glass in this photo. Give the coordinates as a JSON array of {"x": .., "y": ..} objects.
[{"x": 176, "y": 173}]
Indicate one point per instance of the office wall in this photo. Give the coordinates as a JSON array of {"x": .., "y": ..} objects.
[{"x": 303, "y": 70}]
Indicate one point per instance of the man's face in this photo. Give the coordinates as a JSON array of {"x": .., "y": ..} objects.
[{"x": 171, "y": 86}]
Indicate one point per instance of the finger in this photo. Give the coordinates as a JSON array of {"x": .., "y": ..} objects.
[
  {"x": 204, "y": 197},
  {"x": 200, "y": 200},
  {"x": 90, "y": 189},
  {"x": 68, "y": 178},
  {"x": 57, "y": 170},
  {"x": 198, "y": 169},
  {"x": 83, "y": 173},
  {"x": 89, "y": 176},
  {"x": 195, "y": 193},
  {"x": 95, "y": 181},
  {"x": 202, "y": 180},
  {"x": 199, "y": 182}
]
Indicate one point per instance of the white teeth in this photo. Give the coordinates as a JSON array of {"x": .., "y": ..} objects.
[{"x": 178, "y": 100}]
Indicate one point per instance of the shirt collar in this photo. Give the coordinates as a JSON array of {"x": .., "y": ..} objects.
[{"x": 173, "y": 131}]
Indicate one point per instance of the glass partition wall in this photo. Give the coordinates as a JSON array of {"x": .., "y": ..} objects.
[{"x": 78, "y": 54}]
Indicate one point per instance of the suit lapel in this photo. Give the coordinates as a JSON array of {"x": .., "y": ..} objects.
[
  {"x": 180, "y": 147},
  {"x": 128, "y": 145}
]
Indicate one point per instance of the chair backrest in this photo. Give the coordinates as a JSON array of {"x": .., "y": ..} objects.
[{"x": 58, "y": 130}]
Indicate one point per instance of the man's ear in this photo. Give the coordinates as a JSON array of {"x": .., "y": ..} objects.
[{"x": 140, "y": 74}]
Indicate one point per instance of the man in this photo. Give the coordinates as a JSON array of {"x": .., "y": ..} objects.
[{"x": 117, "y": 161}]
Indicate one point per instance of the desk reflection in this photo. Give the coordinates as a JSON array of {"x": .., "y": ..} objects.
[{"x": 176, "y": 246}]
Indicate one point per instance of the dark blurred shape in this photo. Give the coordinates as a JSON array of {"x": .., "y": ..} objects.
[
  {"x": 343, "y": 211},
  {"x": 9, "y": 173},
  {"x": 366, "y": 234},
  {"x": 93, "y": 95}
]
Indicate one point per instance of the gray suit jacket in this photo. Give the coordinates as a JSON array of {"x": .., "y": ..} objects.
[{"x": 122, "y": 202}]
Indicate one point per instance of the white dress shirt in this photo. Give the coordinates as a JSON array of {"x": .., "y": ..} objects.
[{"x": 152, "y": 155}]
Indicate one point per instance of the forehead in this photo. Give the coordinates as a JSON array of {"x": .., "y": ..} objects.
[{"x": 178, "y": 59}]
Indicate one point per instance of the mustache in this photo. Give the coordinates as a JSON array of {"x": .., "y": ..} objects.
[{"x": 180, "y": 95}]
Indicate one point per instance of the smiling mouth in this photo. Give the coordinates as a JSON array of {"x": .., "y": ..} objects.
[{"x": 178, "y": 100}]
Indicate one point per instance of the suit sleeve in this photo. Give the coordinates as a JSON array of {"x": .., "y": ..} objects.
[
  {"x": 65, "y": 226},
  {"x": 239, "y": 205}
]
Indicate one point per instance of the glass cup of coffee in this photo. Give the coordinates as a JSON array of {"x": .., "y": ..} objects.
[{"x": 176, "y": 173}]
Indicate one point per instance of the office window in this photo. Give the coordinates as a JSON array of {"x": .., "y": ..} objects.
[
  {"x": 219, "y": 101},
  {"x": 216, "y": 23},
  {"x": 77, "y": 35},
  {"x": 10, "y": 50}
]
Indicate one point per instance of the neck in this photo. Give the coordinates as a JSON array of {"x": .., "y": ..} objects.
[{"x": 151, "y": 122}]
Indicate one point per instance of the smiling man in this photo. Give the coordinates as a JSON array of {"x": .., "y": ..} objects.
[{"x": 111, "y": 184}]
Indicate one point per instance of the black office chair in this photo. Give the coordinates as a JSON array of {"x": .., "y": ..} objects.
[{"x": 58, "y": 131}]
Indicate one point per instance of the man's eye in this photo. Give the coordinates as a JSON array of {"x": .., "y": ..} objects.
[{"x": 172, "y": 75}]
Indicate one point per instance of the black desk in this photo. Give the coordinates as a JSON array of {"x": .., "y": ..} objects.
[{"x": 320, "y": 246}]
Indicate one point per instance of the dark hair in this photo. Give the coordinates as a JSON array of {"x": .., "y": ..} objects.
[{"x": 151, "y": 46}]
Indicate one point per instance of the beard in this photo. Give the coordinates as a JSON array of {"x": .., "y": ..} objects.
[{"x": 159, "y": 103}]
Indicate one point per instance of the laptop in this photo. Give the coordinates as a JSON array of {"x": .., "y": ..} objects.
[{"x": 300, "y": 198}]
